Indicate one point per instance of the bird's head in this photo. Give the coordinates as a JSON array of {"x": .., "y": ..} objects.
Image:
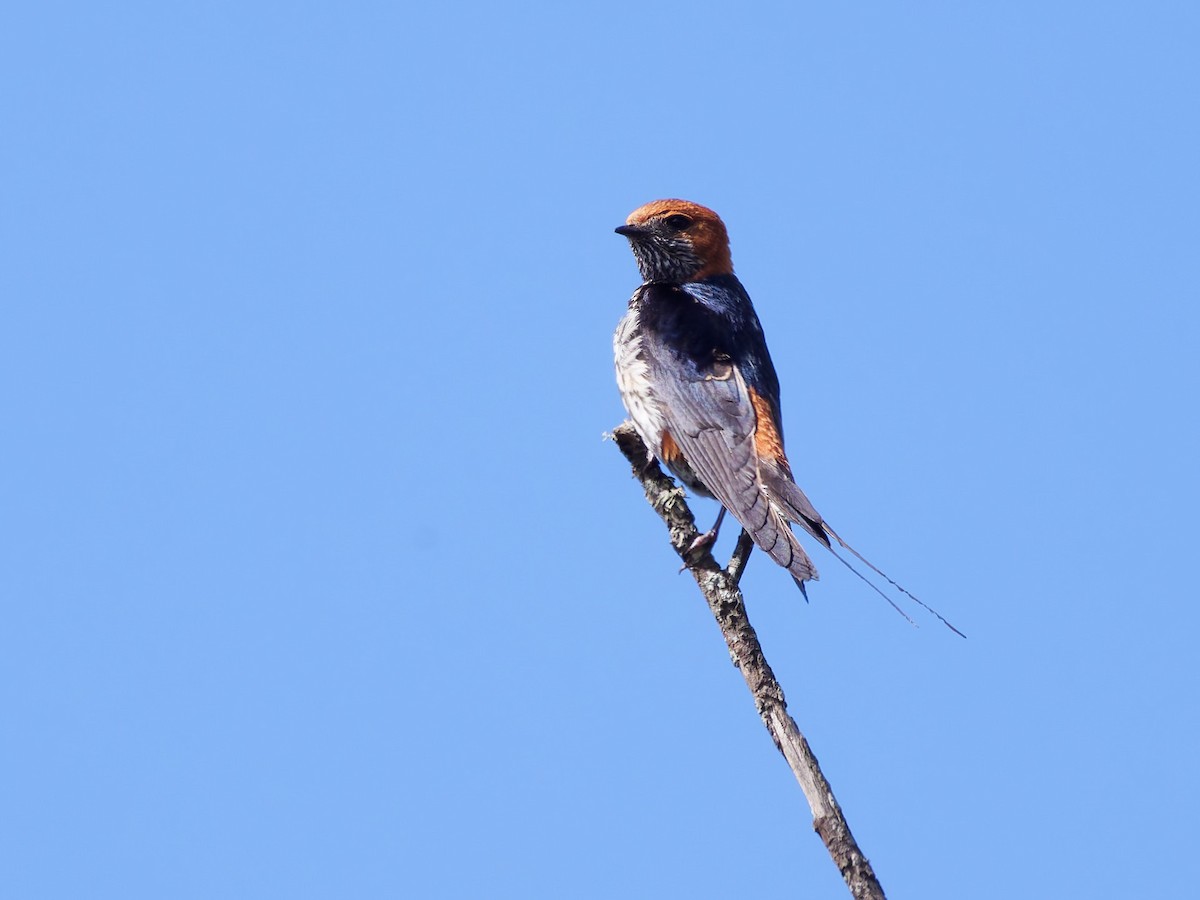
[{"x": 676, "y": 241}]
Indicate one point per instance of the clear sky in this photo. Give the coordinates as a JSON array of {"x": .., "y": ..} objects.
[{"x": 318, "y": 579}]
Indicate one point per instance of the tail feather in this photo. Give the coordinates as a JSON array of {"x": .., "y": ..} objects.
[
  {"x": 776, "y": 538},
  {"x": 768, "y": 525},
  {"x": 796, "y": 506},
  {"x": 789, "y": 502},
  {"x": 905, "y": 591}
]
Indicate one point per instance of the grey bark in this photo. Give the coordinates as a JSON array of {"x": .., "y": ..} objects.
[{"x": 720, "y": 589}]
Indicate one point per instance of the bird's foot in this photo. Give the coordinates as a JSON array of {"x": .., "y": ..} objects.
[{"x": 703, "y": 542}]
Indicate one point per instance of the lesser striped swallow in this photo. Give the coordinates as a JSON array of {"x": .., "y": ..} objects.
[{"x": 698, "y": 382}]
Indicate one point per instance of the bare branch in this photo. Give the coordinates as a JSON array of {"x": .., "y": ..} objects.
[
  {"x": 741, "y": 554},
  {"x": 720, "y": 589}
]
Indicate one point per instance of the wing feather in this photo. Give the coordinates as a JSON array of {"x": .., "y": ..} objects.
[{"x": 710, "y": 416}]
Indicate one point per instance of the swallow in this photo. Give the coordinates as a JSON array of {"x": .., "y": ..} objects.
[{"x": 702, "y": 392}]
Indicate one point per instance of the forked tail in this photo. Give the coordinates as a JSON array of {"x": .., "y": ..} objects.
[{"x": 905, "y": 591}]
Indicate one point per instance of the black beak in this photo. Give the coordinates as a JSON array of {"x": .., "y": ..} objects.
[{"x": 631, "y": 231}]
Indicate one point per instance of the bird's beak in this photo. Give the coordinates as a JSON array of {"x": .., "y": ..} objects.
[{"x": 631, "y": 231}]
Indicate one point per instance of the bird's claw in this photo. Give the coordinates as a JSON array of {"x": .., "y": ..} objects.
[
  {"x": 699, "y": 545},
  {"x": 702, "y": 542}
]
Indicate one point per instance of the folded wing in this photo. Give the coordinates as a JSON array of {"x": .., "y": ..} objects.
[{"x": 712, "y": 419}]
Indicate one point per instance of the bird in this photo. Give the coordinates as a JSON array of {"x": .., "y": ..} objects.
[{"x": 702, "y": 392}]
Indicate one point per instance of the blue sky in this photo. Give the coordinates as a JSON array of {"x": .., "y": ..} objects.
[{"x": 319, "y": 581}]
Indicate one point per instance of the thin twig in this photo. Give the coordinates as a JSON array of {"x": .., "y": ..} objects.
[
  {"x": 720, "y": 589},
  {"x": 741, "y": 554}
]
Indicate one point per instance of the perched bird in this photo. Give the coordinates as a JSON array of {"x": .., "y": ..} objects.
[{"x": 698, "y": 382}]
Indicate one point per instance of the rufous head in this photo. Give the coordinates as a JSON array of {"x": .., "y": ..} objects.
[{"x": 676, "y": 241}]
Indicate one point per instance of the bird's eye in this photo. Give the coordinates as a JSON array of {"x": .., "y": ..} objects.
[{"x": 678, "y": 222}]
